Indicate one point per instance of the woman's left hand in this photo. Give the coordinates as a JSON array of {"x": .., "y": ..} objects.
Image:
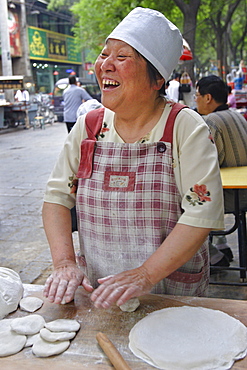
[{"x": 121, "y": 287}]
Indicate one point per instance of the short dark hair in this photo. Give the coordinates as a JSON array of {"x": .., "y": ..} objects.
[
  {"x": 214, "y": 86},
  {"x": 72, "y": 80}
]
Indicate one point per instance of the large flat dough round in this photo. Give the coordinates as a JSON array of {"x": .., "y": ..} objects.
[
  {"x": 189, "y": 338},
  {"x": 28, "y": 325},
  {"x": 63, "y": 325},
  {"x": 41, "y": 348},
  {"x": 11, "y": 343}
]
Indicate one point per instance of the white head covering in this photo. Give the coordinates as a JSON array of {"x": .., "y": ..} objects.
[{"x": 152, "y": 35}]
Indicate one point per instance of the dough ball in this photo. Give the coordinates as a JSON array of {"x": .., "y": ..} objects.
[
  {"x": 28, "y": 325},
  {"x": 11, "y": 291},
  {"x": 131, "y": 305},
  {"x": 30, "y": 304},
  {"x": 41, "y": 348},
  {"x": 63, "y": 325},
  {"x": 11, "y": 343},
  {"x": 50, "y": 336}
]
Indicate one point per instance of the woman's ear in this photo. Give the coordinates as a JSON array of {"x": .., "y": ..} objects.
[{"x": 159, "y": 83}]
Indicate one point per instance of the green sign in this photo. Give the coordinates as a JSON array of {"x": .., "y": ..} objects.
[{"x": 52, "y": 46}]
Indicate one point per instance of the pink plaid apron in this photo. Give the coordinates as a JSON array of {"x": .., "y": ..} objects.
[{"x": 127, "y": 207}]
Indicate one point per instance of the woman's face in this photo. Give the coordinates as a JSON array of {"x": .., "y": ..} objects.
[{"x": 122, "y": 76}]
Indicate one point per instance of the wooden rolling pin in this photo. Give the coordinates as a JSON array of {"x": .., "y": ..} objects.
[{"x": 112, "y": 353}]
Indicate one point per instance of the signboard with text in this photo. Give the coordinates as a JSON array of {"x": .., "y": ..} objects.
[{"x": 52, "y": 46}]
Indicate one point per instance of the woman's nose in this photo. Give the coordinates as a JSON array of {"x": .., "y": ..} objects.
[{"x": 108, "y": 64}]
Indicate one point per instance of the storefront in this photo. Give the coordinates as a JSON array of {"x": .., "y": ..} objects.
[{"x": 52, "y": 56}]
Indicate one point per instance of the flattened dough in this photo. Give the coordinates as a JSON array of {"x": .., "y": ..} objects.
[
  {"x": 63, "y": 325},
  {"x": 50, "y": 336},
  {"x": 30, "y": 304},
  {"x": 41, "y": 348},
  {"x": 28, "y": 325},
  {"x": 11, "y": 343},
  {"x": 189, "y": 338},
  {"x": 131, "y": 305}
]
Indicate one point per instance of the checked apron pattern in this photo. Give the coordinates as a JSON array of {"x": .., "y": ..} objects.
[{"x": 127, "y": 207}]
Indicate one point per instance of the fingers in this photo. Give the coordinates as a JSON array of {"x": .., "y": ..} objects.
[
  {"x": 63, "y": 283},
  {"x": 120, "y": 288}
]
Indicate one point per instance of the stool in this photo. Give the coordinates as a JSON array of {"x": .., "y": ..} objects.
[{"x": 39, "y": 122}]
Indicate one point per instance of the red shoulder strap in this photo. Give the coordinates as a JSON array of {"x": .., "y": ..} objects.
[
  {"x": 93, "y": 122},
  {"x": 168, "y": 132}
]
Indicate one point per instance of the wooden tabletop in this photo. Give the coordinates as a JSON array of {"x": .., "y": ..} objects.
[
  {"x": 84, "y": 352},
  {"x": 234, "y": 177}
]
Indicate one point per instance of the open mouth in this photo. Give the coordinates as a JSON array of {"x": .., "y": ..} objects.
[{"x": 110, "y": 84}]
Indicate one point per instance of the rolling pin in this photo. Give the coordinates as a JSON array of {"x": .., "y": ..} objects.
[{"x": 112, "y": 353}]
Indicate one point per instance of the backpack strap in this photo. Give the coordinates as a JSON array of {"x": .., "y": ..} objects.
[
  {"x": 93, "y": 122},
  {"x": 168, "y": 132}
]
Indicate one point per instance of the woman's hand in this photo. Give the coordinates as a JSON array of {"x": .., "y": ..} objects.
[
  {"x": 62, "y": 284},
  {"x": 121, "y": 287}
]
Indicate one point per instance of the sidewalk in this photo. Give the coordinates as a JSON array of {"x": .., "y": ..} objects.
[{"x": 27, "y": 158}]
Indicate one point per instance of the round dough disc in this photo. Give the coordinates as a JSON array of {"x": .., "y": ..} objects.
[
  {"x": 50, "y": 336},
  {"x": 28, "y": 325},
  {"x": 63, "y": 325},
  {"x": 189, "y": 338},
  {"x": 30, "y": 304},
  {"x": 11, "y": 343},
  {"x": 41, "y": 348}
]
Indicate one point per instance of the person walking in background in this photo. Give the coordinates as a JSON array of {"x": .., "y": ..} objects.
[
  {"x": 229, "y": 132},
  {"x": 144, "y": 175},
  {"x": 173, "y": 88},
  {"x": 231, "y": 100},
  {"x": 73, "y": 97}
]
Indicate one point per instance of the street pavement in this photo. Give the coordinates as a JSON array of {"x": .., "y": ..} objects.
[{"x": 27, "y": 158}]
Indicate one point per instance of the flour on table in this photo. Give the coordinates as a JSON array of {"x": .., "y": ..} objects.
[
  {"x": 28, "y": 325},
  {"x": 50, "y": 336},
  {"x": 30, "y": 304},
  {"x": 41, "y": 348},
  {"x": 189, "y": 338},
  {"x": 11, "y": 343},
  {"x": 131, "y": 305},
  {"x": 63, "y": 325},
  {"x": 11, "y": 291}
]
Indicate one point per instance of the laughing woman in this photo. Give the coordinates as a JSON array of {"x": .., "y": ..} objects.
[{"x": 145, "y": 179}]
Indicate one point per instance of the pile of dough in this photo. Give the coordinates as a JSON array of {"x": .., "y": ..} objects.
[
  {"x": 11, "y": 291},
  {"x": 30, "y": 331},
  {"x": 55, "y": 337},
  {"x": 189, "y": 338}
]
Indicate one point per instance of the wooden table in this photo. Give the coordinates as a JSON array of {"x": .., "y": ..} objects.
[
  {"x": 235, "y": 178},
  {"x": 84, "y": 353}
]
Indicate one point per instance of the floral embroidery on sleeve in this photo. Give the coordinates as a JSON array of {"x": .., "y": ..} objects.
[
  {"x": 103, "y": 130},
  {"x": 73, "y": 184},
  {"x": 199, "y": 195}
]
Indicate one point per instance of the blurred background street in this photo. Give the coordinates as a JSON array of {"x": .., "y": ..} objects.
[{"x": 27, "y": 158}]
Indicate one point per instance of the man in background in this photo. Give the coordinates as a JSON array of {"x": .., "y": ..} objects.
[
  {"x": 173, "y": 89},
  {"x": 73, "y": 97},
  {"x": 22, "y": 96},
  {"x": 229, "y": 131}
]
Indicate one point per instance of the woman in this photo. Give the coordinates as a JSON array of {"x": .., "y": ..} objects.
[{"x": 145, "y": 205}]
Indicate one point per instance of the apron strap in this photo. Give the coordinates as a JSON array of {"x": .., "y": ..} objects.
[
  {"x": 168, "y": 132},
  {"x": 93, "y": 122}
]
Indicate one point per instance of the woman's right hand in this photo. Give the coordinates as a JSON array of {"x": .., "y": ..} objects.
[{"x": 62, "y": 284}]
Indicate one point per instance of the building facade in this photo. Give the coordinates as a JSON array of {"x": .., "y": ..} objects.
[{"x": 42, "y": 46}]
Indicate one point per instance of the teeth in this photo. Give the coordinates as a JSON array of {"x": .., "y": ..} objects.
[{"x": 110, "y": 82}]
